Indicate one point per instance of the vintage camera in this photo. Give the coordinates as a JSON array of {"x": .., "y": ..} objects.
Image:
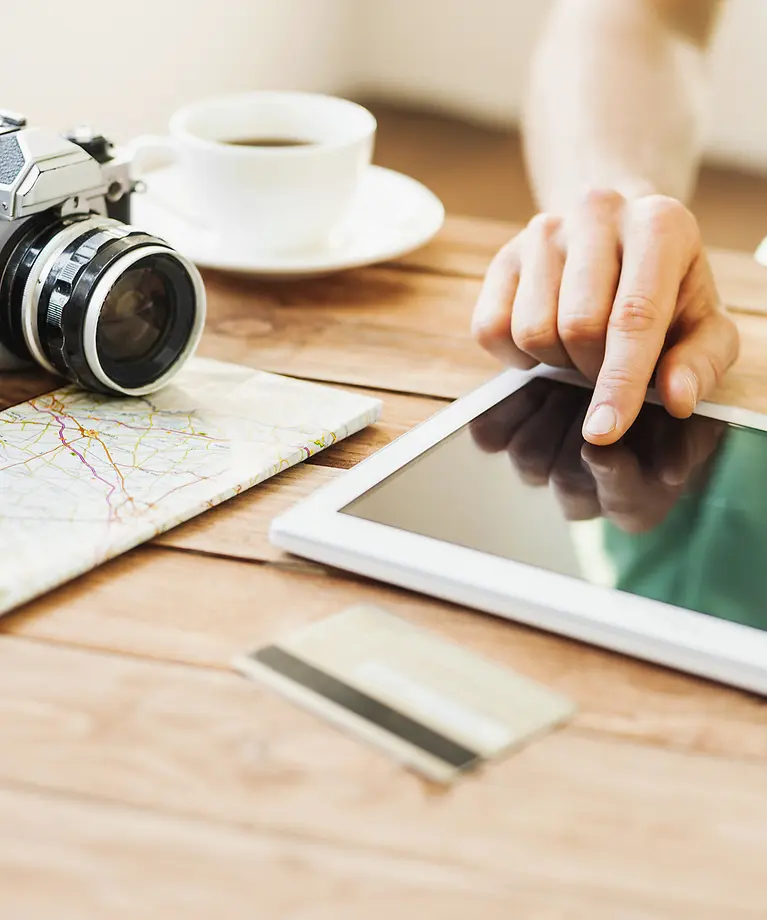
[{"x": 82, "y": 292}]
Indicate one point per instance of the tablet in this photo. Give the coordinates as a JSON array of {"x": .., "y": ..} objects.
[{"x": 655, "y": 547}]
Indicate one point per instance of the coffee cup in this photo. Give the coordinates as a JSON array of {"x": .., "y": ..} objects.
[{"x": 276, "y": 171}]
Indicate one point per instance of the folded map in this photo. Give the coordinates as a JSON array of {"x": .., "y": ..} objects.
[{"x": 85, "y": 477}]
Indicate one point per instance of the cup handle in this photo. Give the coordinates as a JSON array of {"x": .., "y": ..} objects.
[{"x": 150, "y": 152}]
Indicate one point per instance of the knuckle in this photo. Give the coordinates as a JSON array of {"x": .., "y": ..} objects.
[
  {"x": 534, "y": 337},
  {"x": 531, "y": 338},
  {"x": 602, "y": 199},
  {"x": 616, "y": 378},
  {"x": 544, "y": 226},
  {"x": 635, "y": 314},
  {"x": 507, "y": 258},
  {"x": 663, "y": 214},
  {"x": 581, "y": 328}
]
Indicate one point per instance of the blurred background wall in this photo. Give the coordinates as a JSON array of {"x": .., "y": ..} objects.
[
  {"x": 445, "y": 78},
  {"x": 127, "y": 65},
  {"x": 470, "y": 57}
]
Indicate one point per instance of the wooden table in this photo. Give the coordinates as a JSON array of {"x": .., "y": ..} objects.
[{"x": 141, "y": 777}]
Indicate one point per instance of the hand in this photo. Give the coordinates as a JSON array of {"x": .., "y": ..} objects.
[
  {"x": 634, "y": 484},
  {"x": 619, "y": 289}
]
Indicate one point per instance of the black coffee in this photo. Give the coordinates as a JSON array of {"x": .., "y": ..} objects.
[{"x": 268, "y": 142}]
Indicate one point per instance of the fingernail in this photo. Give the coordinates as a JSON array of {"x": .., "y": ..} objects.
[
  {"x": 672, "y": 477},
  {"x": 602, "y": 421}
]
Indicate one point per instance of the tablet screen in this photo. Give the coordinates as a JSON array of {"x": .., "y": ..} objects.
[{"x": 676, "y": 511}]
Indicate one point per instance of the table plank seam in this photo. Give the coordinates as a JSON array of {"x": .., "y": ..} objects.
[
  {"x": 575, "y": 728},
  {"x": 103, "y": 651},
  {"x": 290, "y": 564},
  {"x": 363, "y": 388},
  {"x": 416, "y": 269},
  {"x": 624, "y": 739}
]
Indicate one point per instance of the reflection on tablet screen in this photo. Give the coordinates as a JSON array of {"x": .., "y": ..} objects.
[{"x": 676, "y": 511}]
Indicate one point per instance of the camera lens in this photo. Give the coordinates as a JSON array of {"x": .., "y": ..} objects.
[
  {"x": 143, "y": 313},
  {"x": 136, "y": 315},
  {"x": 111, "y": 308}
]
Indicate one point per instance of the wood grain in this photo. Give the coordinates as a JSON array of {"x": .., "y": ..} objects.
[
  {"x": 742, "y": 281},
  {"x": 579, "y": 813},
  {"x": 102, "y": 861},
  {"x": 464, "y": 247},
  {"x": 19, "y": 386},
  {"x": 191, "y": 609},
  {"x": 746, "y": 383},
  {"x": 380, "y": 328}
]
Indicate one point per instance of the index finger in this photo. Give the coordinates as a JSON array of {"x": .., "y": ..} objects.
[{"x": 656, "y": 258}]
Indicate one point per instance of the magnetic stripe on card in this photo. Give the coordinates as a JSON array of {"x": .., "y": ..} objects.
[{"x": 366, "y": 707}]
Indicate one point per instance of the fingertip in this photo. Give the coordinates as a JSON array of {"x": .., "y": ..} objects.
[
  {"x": 506, "y": 352},
  {"x": 602, "y": 426},
  {"x": 597, "y": 460},
  {"x": 673, "y": 475},
  {"x": 489, "y": 323},
  {"x": 491, "y": 329},
  {"x": 492, "y": 332},
  {"x": 605, "y": 463}
]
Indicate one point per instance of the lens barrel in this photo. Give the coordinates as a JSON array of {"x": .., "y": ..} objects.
[{"x": 109, "y": 307}]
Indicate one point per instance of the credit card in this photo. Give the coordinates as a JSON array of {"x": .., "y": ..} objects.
[{"x": 429, "y": 703}]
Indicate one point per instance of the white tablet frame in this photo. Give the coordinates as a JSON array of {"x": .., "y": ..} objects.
[{"x": 694, "y": 642}]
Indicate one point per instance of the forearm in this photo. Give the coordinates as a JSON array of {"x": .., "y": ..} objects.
[{"x": 617, "y": 100}]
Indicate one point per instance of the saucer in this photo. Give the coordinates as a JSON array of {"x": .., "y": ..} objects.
[{"x": 393, "y": 215}]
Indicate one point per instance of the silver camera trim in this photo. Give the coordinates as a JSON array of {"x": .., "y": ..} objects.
[
  {"x": 54, "y": 171},
  {"x": 38, "y": 275},
  {"x": 99, "y": 296}
]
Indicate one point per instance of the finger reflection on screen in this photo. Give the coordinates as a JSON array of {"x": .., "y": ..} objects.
[
  {"x": 634, "y": 483},
  {"x": 675, "y": 511}
]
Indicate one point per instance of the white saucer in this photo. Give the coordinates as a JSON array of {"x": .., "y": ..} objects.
[{"x": 393, "y": 215}]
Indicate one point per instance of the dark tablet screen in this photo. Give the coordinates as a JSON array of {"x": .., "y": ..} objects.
[{"x": 676, "y": 511}]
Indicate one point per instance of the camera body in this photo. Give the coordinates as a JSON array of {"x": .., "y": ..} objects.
[
  {"x": 83, "y": 293},
  {"x": 40, "y": 169}
]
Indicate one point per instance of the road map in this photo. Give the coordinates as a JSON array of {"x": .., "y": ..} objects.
[{"x": 85, "y": 477}]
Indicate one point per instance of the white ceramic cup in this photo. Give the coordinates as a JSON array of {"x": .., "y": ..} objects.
[{"x": 275, "y": 199}]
